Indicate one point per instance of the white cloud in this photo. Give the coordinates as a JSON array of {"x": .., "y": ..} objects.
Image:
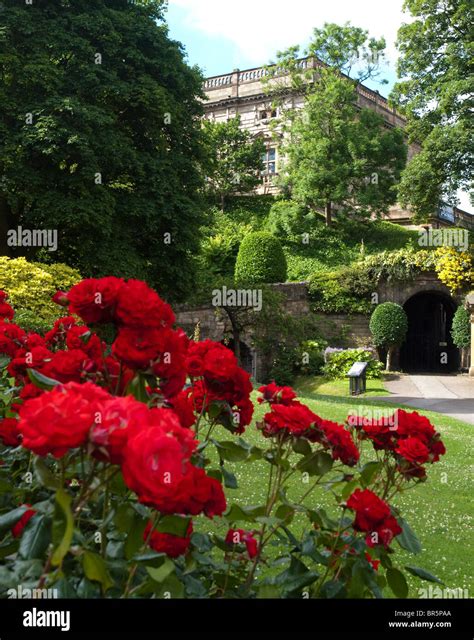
[{"x": 258, "y": 29}]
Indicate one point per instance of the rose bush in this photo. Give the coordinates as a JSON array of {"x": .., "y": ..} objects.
[{"x": 114, "y": 463}]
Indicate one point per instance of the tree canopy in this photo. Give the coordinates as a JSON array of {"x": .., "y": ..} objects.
[
  {"x": 235, "y": 159},
  {"x": 436, "y": 91},
  {"x": 340, "y": 156},
  {"x": 100, "y": 137}
]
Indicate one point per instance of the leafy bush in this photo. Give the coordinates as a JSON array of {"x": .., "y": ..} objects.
[
  {"x": 288, "y": 218},
  {"x": 31, "y": 285},
  {"x": 260, "y": 260},
  {"x": 310, "y": 357},
  {"x": 461, "y": 329},
  {"x": 339, "y": 364},
  {"x": 344, "y": 290},
  {"x": 283, "y": 366},
  {"x": 31, "y": 322}
]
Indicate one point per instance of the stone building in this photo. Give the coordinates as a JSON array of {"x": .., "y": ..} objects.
[{"x": 246, "y": 94}]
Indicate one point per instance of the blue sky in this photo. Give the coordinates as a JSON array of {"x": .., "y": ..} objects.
[{"x": 220, "y": 37}]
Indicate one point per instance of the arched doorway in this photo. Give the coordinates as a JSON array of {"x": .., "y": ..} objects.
[
  {"x": 429, "y": 347},
  {"x": 246, "y": 356}
]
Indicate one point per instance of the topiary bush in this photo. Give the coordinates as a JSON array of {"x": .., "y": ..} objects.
[
  {"x": 339, "y": 364},
  {"x": 389, "y": 326},
  {"x": 31, "y": 285},
  {"x": 260, "y": 260},
  {"x": 461, "y": 329}
]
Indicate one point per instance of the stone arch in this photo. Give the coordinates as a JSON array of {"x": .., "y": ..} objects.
[
  {"x": 247, "y": 355},
  {"x": 429, "y": 347}
]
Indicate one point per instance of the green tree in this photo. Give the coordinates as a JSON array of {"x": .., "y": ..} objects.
[
  {"x": 100, "y": 137},
  {"x": 339, "y": 157},
  {"x": 235, "y": 159},
  {"x": 435, "y": 92},
  {"x": 389, "y": 326}
]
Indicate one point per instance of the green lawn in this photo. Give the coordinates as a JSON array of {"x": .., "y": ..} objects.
[
  {"x": 340, "y": 388},
  {"x": 440, "y": 510}
]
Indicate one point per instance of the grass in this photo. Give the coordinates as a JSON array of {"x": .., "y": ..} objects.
[
  {"x": 440, "y": 511},
  {"x": 339, "y": 388}
]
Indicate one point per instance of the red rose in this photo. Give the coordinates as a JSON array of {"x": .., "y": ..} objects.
[
  {"x": 384, "y": 533},
  {"x": 294, "y": 419},
  {"x": 182, "y": 405},
  {"x": 137, "y": 349},
  {"x": 373, "y": 517},
  {"x": 37, "y": 358},
  {"x": 60, "y": 419},
  {"x": 157, "y": 467},
  {"x": 370, "y": 510},
  {"x": 6, "y": 311},
  {"x": 276, "y": 395},
  {"x": 340, "y": 443},
  {"x": 219, "y": 364},
  {"x": 94, "y": 300},
  {"x": 59, "y": 330},
  {"x": 239, "y": 536},
  {"x": 156, "y": 459},
  {"x": 413, "y": 450},
  {"x": 11, "y": 338},
  {"x": 70, "y": 366},
  {"x": 115, "y": 420},
  {"x": 9, "y": 434},
  {"x": 17, "y": 529},
  {"x": 139, "y": 306},
  {"x": 173, "y": 546},
  {"x": 83, "y": 339}
]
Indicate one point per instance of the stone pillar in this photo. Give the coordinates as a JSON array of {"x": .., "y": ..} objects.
[{"x": 470, "y": 307}]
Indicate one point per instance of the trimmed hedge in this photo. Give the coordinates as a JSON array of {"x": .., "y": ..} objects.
[
  {"x": 461, "y": 329},
  {"x": 260, "y": 260}
]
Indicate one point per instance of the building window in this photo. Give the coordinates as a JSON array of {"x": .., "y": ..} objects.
[
  {"x": 267, "y": 114},
  {"x": 269, "y": 162}
]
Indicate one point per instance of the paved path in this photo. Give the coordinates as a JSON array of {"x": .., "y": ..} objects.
[{"x": 452, "y": 395}]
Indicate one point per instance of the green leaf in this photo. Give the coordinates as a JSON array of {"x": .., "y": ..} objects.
[
  {"x": 174, "y": 525},
  {"x": 137, "y": 388},
  {"x": 135, "y": 540},
  {"x": 317, "y": 464},
  {"x": 4, "y": 360},
  {"x": 232, "y": 451},
  {"x": 95, "y": 570},
  {"x": 247, "y": 514},
  {"x": 369, "y": 470},
  {"x": 423, "y": 574},
  {"x": 44, "y": 474},
  {"x": 63, "y": 501},
  {"x": 230, "y": 481},
  {"x": 333, "y": 589},
  {"x": 8, "y": 520},
  {"x": 285, "y": 513},
  {"x": 301, "y": 446},
  {"x": 150, "y": 558},
  {"x": 41, "y": 381},
  {"x": 407, "y": 539},
  {"x": 397, "y": 582},
  {"x": 35, "y": 538},
  {"x": 161, "y": 573}
]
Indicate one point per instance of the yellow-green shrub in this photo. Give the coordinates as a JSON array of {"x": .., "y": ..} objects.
[{"x": 31, "y": 285}]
